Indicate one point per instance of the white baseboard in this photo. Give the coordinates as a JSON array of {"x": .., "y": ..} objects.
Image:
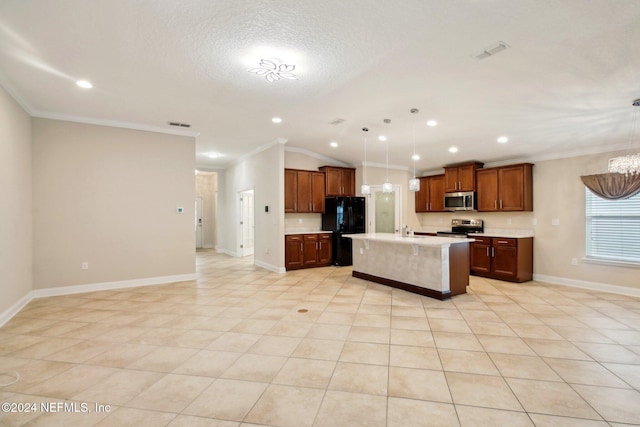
[
  {"x": 207, "y": 247},
  {"x": 583, "y": 284},
  {"x": 226, "y": 252},
  {"x": 270, "y": 267},
  {"x": 8, "y": 314}
]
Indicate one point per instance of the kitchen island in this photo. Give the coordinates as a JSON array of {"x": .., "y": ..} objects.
[{"x": 436, "y": 267}]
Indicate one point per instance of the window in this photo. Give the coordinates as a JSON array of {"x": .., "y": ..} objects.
[{"x": 613, "y": 228}]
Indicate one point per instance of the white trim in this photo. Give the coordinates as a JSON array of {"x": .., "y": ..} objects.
[
  {"x": 226, "y": 251},
  {"x": 384, "y": 166},
  {"x": 313, "y": 154},
  {"x": 8, "y": 314},
  {"x": 208, "y": 168},
  {"x": 613, "y": 262},
  {"x": 105, "y": 286},
  {"x": 15, "y": 95},
  {"x": 594, "y": 286},
  {"x": 270, "y": 267}
]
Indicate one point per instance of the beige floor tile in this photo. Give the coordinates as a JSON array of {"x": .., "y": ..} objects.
[
  {"x": 286, "y": 406},
  {"x": 306, "y": 373},
  {"x": 481, "y": 390},
  {"x": 15, "y": 418},
  {"x": 58, "y": 329},
  {"x": 614, "y": 404},
  {"x": 163, "y": 359},
  {"x": 443, "y": 313},
  {"x": 329, "y": 332},
  {"x": 581, "y": 334},
  {"x": 480, "y": 316},
  {"x": 491, "y": 328},
  {"x": 119, "y": 388},
  {"x": 172, "y": 393},
  {"x": 449, "y": 325},
  {"x": 374, "y": 309},
  {"x": 629, "y": 373},
  {"x": 471, "y": 362},
  {"x": 408, "y": 311},
  {"x": 121, "y": 355},
  {"x": 275, "y": 345},
  {"x": 207, "y": 363},
  {"x": 255, "y": 367},
  {"x": 360, "y": 378},
  {"x": 318, "y": 349},
  {"x": 71, "y": 381},
  {"x": 413, "y": 338},
  {"x": 558, "y": 349},
  {"x": 130, "y": 417},
  {"x": 409, "y": 412},
  {"x": 530, "y": 367},
  {"x": 369, "y": 334},
  {"x": 585, "y": 372},
  {"x": 351, "y": 409},
  {"x": 254, "y": 326},
  {"x": 75, "y": 414},
  {"x": 81, "y": 352},
  {"x": 420, "y": 384},
  {"x": 337, "y": 318},
  {"x": 519, "y": 318},
  {"x": 234, "y": 341},
  {"x": 226, "y": 399},
  {"x": 360, "y": 352},
  {"x": 541, "y": 420},
  {"x": 471, "y": 416},
  {"x": 535, "y": 331},
  {"x": 507, "y": 345},
  {"x": 31, "y": 372},
  {"x": 611, "y": 353},
  {"x": 287, "y": 328},
  {"x": 414, "y": 357},
  {"x": 412, "y": 323},
  {"x": 45, "y": 347},
  {"x": 191, "y": 421},
  {"x": 551, "y": 398},
  {"x": 455, "y": 341}
]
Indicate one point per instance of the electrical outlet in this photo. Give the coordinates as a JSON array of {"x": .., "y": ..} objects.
[
  {"x": 534, "y": 221},
  {"x": 85, "y": 266},
  {"x": 574, "y": 261},
  {"x": 361, "y": 251},
  {"x": 555, "y": 221}
]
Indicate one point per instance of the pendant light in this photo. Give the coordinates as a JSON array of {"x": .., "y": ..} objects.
[
  {"x": 365, "y": 188},
  {"x": 414, "y": 183},
  {"x": 387, "y": 187},
  {"x": 629, "y": 164}
]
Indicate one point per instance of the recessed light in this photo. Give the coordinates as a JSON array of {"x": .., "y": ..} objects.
[
  {"x": 432, "y": 123},
  {"x": 333, "y": 144},
  {"x": 503, "y": 139},
  {"x": 382, "y": 138},
  {"x": 213, "y": 155},
  {"x": 84, "y": 84},
  {"x": 453, "y": 149},
  {"x": 415, "y": 157},
  {"x": 276, "y": 120}
]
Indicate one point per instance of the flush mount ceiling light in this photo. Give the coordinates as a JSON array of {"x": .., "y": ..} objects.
[
  {"x": 629, "y": 164},
  {"x": 274, "y": 69},
  {"x": 276, "y": 120},
  {"x": 213, "y": 155},
  {"x": 84, "y": 84},
  {"x": 432, "y": 123},
  {"x": 333, "y": 144},
  {"x": 453, "y": 149},
  {"x": 503, "y": 139}
]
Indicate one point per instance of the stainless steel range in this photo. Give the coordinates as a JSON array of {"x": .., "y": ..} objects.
[{"x": 463, "y": 227}]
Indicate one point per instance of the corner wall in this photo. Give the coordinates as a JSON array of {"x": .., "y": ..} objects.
[
  {"x": 16, "y": 221},
  {"x": 108, "y": 196}
]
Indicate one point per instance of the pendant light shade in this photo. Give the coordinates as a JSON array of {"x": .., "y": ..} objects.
[
  {"x": 414, "y": 183},
  {"x": 387, "y": 187},
  {"x": 365, "y": 189}
]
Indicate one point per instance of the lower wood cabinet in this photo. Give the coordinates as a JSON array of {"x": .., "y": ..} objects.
[
  {"x": 307, "y": 250},
  {"x": 502, "y": 258}
]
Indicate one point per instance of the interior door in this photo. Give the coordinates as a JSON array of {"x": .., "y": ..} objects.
[
  {"x": 246, "y": 223},
  {"x": 199, "y": 229}
]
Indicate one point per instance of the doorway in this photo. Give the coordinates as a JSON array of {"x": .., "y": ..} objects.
[
  {"x": 199, "y": 229},
  {"x": 246, "y": 228},
  {"x": 384, "y": 210}
]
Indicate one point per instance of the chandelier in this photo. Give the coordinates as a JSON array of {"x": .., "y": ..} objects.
[{"x": 629, "y": 164}]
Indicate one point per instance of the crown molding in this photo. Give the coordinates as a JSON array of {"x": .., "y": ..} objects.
[
  {"x": 16, "y": 95},
  {"x": 255, "y": 151},
  {"x": 317, "y": 156}
]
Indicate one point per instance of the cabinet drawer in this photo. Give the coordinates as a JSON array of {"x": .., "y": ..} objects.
[
  {"x": 310, "y": 237},
  {"x": 325, "y": 236},
  {"x": 482, "y": 240},
  {"x": 293, "y": 238},
  {"x": 497, "y": 241}
]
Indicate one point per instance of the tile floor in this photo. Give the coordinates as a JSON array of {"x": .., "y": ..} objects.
[{"x": 232, "y": 349}]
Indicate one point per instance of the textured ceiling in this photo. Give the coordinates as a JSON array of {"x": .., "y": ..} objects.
[{"x": 564, "y": 86}]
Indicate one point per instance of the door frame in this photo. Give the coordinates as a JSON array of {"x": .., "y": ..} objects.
[
  {"x": 371, "y": 207},
  {"x": 199, "y": 222},
  {"x": 241, "y": 250}
]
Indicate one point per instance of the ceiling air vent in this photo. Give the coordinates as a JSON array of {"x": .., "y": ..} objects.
[
  {"x": 179, "y": 125},
  {"x": 491, "y": 50}
]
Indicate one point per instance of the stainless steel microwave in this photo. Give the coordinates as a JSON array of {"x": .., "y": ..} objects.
[{"x": 460, "y": 201}]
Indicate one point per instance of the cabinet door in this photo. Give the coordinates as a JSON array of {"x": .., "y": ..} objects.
[
  {"x": 505, "y": 261},
  {"x": 304, "y": 191},
  {"x": 333, "y": 179},
  {"x": 348, "y": 182},
  {"x": 450, "y": 179},
  {"x": 310, "y": 256},
  {"x": 467, "y": 178},
  {"x": 324, "y": 249},
  {"x": 290, "y": 190},
  {"x": 317, "y": 192},
  {"x": 480, "y": 257},
  {"x": 293, "y": 252},
  {"x": 422, "y": 196},
  {"x": 487, "y": 181},
  {"x": 436, "y": 193},
  {"x": 511, "y": 188}
]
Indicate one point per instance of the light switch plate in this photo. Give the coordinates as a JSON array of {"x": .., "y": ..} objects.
[
  {"x": 555, "y": 221},
  {"x": 179, "y": 210}
]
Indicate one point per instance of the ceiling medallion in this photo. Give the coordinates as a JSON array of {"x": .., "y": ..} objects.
[{"x": 273, "y": 70}]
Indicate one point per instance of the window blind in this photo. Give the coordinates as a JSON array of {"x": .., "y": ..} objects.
[{"x": 613, "y": 228}]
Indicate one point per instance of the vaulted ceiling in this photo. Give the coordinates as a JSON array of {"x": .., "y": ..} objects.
[{"x": 564, "y": 85}]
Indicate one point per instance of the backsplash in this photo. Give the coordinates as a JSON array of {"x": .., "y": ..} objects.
[{"x": 302, "y": 222}]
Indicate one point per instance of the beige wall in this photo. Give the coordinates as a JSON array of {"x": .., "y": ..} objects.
[
  {"x": 207, "y": 188},
  {"x": 16, "y": 231},
  {"x": 264, "y": 173},
  {"x": 108, "y": 196}
]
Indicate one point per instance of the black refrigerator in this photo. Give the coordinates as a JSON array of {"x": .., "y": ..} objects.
[{"x": 343, "y": 215}]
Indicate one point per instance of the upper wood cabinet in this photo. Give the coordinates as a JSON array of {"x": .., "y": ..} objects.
[
  {"x": 339, "y": 181},
  {"x": 303, "y": 191},
  {"x": 505, "y": 188},
  {"x": 460, "y": 177},
  {"x": 430, "y": 198}
]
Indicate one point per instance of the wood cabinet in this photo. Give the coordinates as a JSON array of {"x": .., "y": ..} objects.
[
  {"x": 502, "y": 258},
  {"x": 506, "y": 188},
  {"x": 460, "y": 177},
  {"x": 430, "y": 198},
  {"x": 307, "y": 250},
  {"x": 304, "y": 191},
  {"x": 339, "y": 181}
]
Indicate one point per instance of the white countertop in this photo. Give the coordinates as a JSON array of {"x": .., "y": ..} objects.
[
  {"x": 290, "y": 232},
  {"x": 418, "y": 240},
  {"x": 507, "y": 233}
]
